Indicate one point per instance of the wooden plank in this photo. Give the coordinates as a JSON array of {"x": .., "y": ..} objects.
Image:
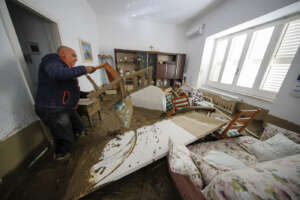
[
  {"x": 198, "y": 124},
  {"x": 135, "y": 83},
  {"x": 149, "y": 76},
  {"x": 143, "y": 80},
  {"x": 237, "y": 126},
  {"x": 243, "y": 120},
  {"x": 248, "y": 112},
  {"x": 122, "y": 88},
  {"x": 103, "y": 89},
  {"x": 92, "y": 82}
]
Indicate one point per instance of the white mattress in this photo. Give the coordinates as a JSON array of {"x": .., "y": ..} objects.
[{"x": 150, "y": 97}]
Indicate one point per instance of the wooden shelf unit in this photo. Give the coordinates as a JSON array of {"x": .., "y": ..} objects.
[{"x": 166, "y": 66}]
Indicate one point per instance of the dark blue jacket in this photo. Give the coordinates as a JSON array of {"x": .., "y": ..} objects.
[{"x": 57, "y": 83}]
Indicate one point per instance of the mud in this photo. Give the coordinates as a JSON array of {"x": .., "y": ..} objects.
[{"x": 152, "y": 182}]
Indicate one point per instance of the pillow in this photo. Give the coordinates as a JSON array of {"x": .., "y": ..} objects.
[
  {"x": 230, "y": 132},
  {"x": 274, "y": 148},
  {"x": 204, "y": 104},
  {"x": 180, "y": 162},
  {"x": 283, "y": 146},
  {"x": 215, "y": 163},
  {"x": 272, "y": 130}
]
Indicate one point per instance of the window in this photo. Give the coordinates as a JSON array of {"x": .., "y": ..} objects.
[
  {"x": 218, "y": 59},
  {"x": 256, "y": 51},
  {"x": 234, "y": 55},
  {"x": 255, "y": 61}
]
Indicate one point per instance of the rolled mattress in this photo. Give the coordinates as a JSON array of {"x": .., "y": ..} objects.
[{"x": 150, "y": 97}]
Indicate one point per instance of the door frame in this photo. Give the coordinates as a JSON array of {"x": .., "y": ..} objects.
[{"x": 13, "y": 38}]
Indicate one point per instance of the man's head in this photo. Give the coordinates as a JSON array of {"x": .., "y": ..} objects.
[{"x": 68, "y": 55}]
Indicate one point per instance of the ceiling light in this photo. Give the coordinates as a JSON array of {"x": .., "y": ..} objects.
[{"x": 133, "y": 15}]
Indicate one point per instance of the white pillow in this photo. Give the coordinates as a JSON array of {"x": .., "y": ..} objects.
[
  {"x": 217, "y": 158},
  {"x": 215, "y": 163},
  {"x": 275, "y": 147},
  {"x": 283, "y": 146},
  {"x": 180, "y": 162}
]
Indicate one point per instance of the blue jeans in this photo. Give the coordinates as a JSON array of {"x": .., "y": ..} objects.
[{"x": 64, "y": 125}]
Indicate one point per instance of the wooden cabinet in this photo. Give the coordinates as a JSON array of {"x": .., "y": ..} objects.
[
  {"x": 180, "y": 63},
  {"x": 166, "y": 66},
  {"x": 161, "y": 71},
  {"x": 166, "y": 71},
  {"x": 170, "y": 71}
]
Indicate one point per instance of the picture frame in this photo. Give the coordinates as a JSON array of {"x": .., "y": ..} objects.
[{"x": 86, "y": 51}]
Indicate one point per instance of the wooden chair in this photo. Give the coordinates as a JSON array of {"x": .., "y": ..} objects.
[{"x": 238, "y": 123}]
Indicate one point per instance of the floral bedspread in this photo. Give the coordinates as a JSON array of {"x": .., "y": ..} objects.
[{"x": 276, "y": 179}]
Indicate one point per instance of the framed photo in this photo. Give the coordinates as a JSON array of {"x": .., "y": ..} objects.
[{"x": 86, "y": 51}]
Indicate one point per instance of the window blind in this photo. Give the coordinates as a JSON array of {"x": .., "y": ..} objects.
[{"x": 283, "y": 57}]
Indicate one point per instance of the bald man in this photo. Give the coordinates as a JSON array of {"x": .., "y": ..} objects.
[{"x": 57, "y": 96}]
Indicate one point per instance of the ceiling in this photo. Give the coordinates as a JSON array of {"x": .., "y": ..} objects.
[{"x": 165, "y": 11}]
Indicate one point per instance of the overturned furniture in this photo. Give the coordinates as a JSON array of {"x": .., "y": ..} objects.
[{"x": 141, "y": 79}]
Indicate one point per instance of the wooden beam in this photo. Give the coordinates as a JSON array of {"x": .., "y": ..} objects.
[
  {"x": 135, "y": 83},
  {"x": 104, "y": 88},
  {"x": 150, "y": 76},
  {"x": 92, "y": 82}
]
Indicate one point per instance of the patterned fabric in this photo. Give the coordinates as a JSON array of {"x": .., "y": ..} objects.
[
  {"x": 276, "y": 179},
  {"x": 180, "y": 162},
  {"x": 196, "y": 96},
  {"x": 215, "y": 163},
  {"x": 230, "y": 146},
  {"x": 169, "y": 102},
  {"x": 276, "y": 147},
  {"x": 230, "y": 132},
  {"x": 204, "y": 104},
  {"x": 272, "y": 130}
]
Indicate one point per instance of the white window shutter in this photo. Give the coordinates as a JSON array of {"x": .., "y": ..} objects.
[{"x": 283, "y": 57}]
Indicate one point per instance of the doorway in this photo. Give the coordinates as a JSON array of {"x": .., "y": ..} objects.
[{"x": 37, "y": 35}]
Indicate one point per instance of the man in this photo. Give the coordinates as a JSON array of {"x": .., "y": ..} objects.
[{"x": 57, "y": 96}]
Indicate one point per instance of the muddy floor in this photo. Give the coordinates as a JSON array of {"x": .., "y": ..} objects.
[{"x": 50, "y": 179}]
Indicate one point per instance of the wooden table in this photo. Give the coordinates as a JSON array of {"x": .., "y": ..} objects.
[{"x": 89, "y": 107}]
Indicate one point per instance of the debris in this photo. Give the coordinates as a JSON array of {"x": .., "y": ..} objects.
[{"x": 124, "y": 111}]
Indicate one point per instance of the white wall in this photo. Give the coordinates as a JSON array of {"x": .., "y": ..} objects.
[
  {"x": 16, "y": 109},
  {"x": 229, "y": 14},
  {"x": 129, "y": 33},
  {"x": 76, "y": 21}
]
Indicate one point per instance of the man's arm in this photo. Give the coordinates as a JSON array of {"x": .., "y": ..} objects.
[{"x": 56, "y": 71}]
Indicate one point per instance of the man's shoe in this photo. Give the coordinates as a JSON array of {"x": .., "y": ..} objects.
[{"x": 61, "y": 157}]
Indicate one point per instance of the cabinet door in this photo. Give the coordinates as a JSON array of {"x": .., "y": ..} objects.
[
  {"x": 171, "y": 71},
  {"x": 180, "y": 62},
  {"x": 161, "y": 71}
]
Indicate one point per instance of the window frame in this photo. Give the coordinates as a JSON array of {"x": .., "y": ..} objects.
[{"x": 256, "y": 90}]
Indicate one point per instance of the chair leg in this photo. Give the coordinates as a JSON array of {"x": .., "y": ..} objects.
[
  {"x": 99, "y": 114},
  {"x": 90, "y": 121}
]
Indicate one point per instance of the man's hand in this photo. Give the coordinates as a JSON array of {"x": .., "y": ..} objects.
[{"x": 90, "y": 69}]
